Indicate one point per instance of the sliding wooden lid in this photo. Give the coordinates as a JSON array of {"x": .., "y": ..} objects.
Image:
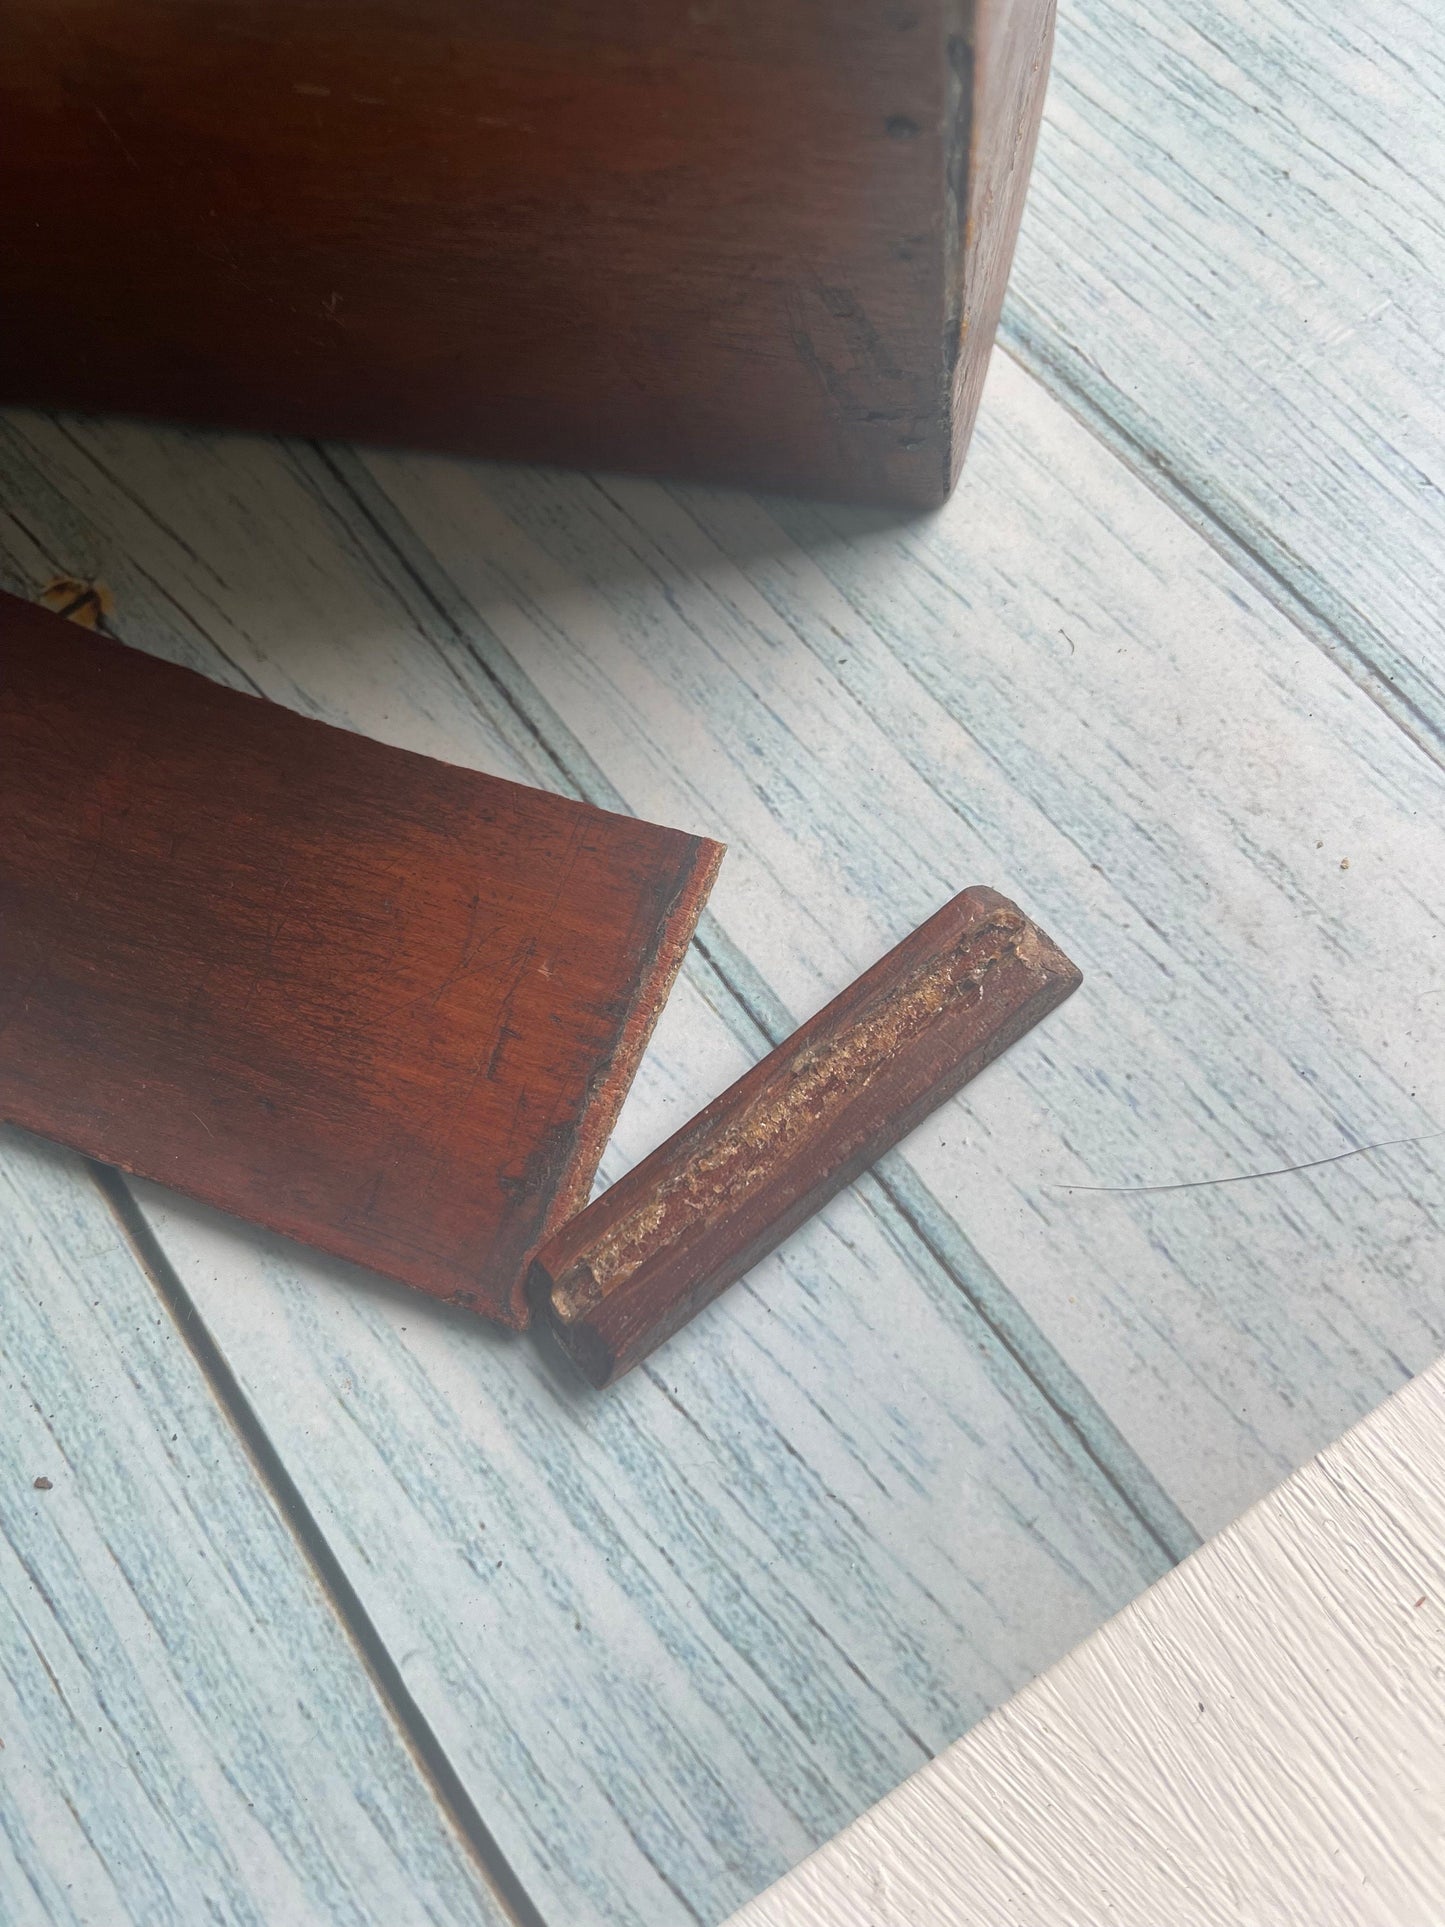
[{"x": 376, "y": 1002}]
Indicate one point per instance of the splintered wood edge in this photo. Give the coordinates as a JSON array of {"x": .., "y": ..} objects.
[
  {"x": 736, "y": 1138},
  {"x": 728, "y": 1166},
  {"x": 614, "y": 1079}
]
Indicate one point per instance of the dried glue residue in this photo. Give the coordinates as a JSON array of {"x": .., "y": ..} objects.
[{"x": 765, "y": 1133}]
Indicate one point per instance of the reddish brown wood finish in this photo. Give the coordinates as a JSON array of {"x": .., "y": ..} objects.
[
  {"x": 376, "y": 1002},
  {"x": 764, "y": 240},
  {"x": 729, "y": 1186}
]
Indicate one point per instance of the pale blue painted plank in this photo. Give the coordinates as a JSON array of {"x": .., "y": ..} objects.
[
  {"x": 1233, "y": 262},
  {"x": 188, "y": 1734},
  {"x": 672, "y": 1635},
  {"x": 858, "y": 706},
  {"x": 1271, "y": 1342},
  {"x": 1055, "y": 685}
]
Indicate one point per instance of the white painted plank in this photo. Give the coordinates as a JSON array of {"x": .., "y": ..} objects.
[
  {"x": 187, "y": 1733},
  {"x": 671, "y": 1637},
  {"x": 1260, "y": 1738},
  {"x": 1234, "y": 254}
]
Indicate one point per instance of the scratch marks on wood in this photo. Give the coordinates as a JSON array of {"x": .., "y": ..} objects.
[{"x": 106, "y": 123}]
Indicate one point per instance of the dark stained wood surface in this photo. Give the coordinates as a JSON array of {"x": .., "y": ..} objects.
[
  {"x": 381, "y": 1004},
  {"x": 734, "y": 1182},
  {"x": 761, "y": 241}
]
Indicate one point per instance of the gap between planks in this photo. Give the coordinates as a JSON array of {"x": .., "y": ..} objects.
[
  {"x": 1155, "y": 471},
  {"x": 381, "y": 1669},
  {"x": 1272, "y": 370},
  {"x": 476, "y": 656},
  {"x": 760, "y": 1021},
  {"x": 1153, "y": 467},
  {"x": 1021, "y": 1391}
]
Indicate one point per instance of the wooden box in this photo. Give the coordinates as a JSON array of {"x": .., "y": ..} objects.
[{"x": 752, "y": 240}]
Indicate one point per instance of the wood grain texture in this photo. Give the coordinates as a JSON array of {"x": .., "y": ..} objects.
[
  {"x": 1234, "y": 266},
  {"x": 1055, "y": 682},
  {"x": 858, "y": 706},
  {"x": 187, "y": 1733},
  {"x": 1260, "y": 1738},
  {"x": 1071, "y": 682},
  {"x": 808, "y": 1119},
  {"x": 765, "y": 241},
  {"x": 384, "y": 1005},
  {"x": 1010, "y": 43},
  {"x": 738, "y": 1599},
  {"x": 673, "y": 1635}
]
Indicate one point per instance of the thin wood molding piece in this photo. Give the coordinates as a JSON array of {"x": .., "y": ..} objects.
[
  {"x": 382, "y": 1004},
  {"x": 1148, "y": 191},
  {"x": 765, "y": 242},
  {"x": 846, "y": 1086}
]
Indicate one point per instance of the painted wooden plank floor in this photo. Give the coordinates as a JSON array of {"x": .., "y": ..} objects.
[
  {"x": 1233, "y": 263},
  {"x": 672, "y": 1639},
  {"x": 674, "y": 1636},
  {"x": 187, "y": 1734},
  {"x": 888, "y": 712},
  {"x": 912, "y": 1406},
  {"x": 1260, "y": 1739}
]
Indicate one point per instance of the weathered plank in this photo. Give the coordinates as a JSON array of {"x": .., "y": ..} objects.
[
  {"x": 871, "y": 714},
  {"x": 809, "y": 1119},
  {"x": 1266, "y": 1014},
  {"x": 670, "y": 1634},
  {"x": 745, "y": 1592},
  {"x": 187, "y": 1733},
  {"x": 1233, "y": 262},
  {"x": 1259, "y": 1738}
]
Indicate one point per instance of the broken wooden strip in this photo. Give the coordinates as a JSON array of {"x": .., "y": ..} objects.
[
  {"x": 384, "y": 1005},
  {"x": 735, "y": 1181},
  {"x": 874, "y": 1502}
]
